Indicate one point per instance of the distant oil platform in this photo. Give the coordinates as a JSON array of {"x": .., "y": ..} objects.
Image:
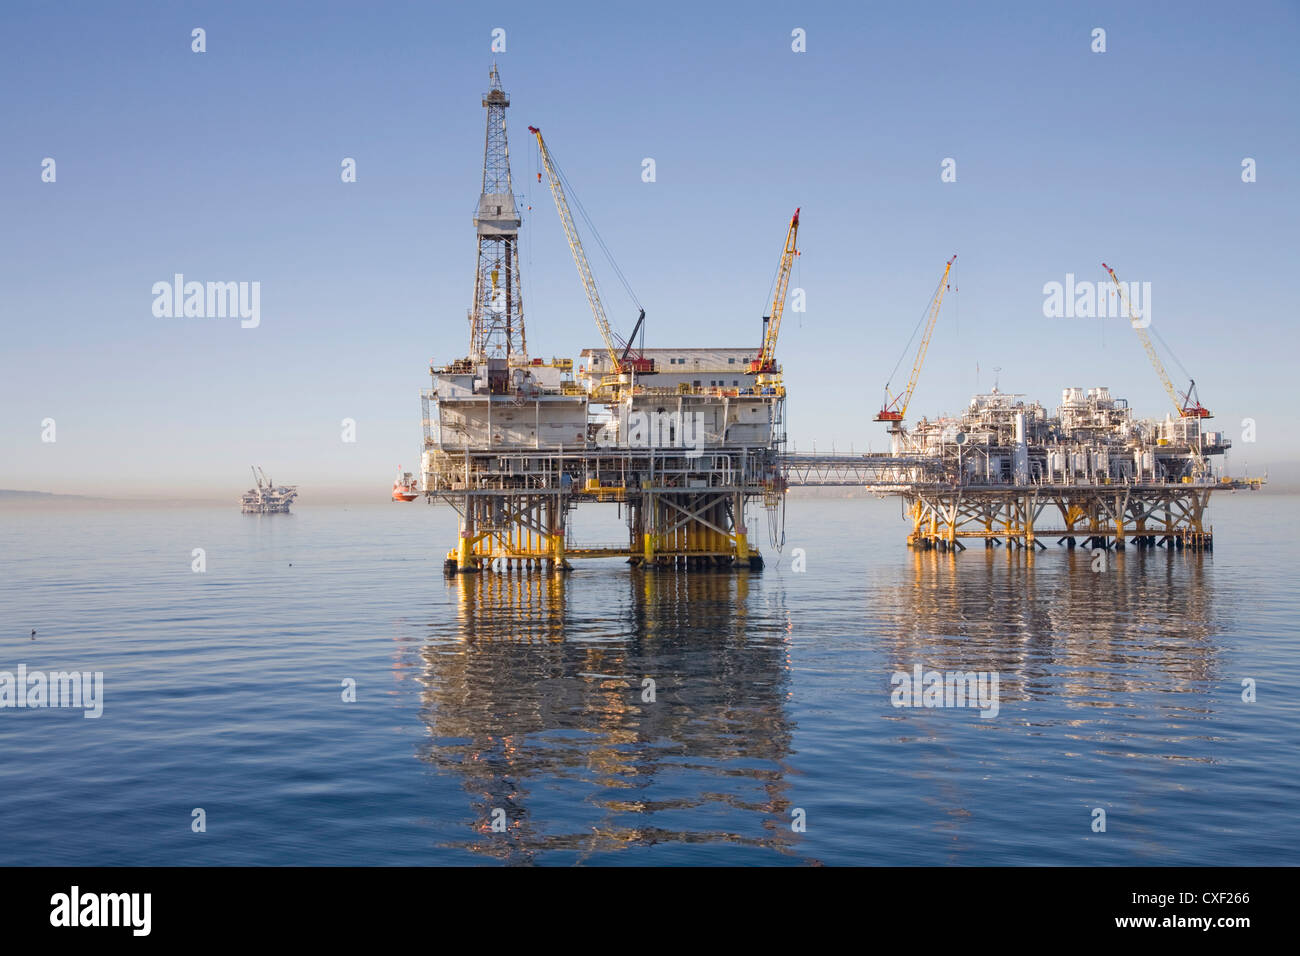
[{"x": 265, "y": 498}]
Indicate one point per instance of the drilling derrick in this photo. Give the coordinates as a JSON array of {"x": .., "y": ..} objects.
[
  {"x": 496, "y": 424},
  {"x": 496, "y": 321}
]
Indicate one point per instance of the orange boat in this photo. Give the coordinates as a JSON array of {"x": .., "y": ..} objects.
[{"x": 405, "y": 488}]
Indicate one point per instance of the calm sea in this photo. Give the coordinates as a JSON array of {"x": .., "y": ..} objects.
[{"x": 521, "y": 700}]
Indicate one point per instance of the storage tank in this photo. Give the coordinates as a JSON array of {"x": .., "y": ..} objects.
[{"x": 1020, "y": 463}]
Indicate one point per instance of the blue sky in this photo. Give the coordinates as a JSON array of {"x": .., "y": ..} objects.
[{"x": 225, "y": 166}]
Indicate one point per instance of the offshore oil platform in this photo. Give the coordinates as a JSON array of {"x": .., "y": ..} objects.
[
  {"x": 1004, "y": 471},
  {"x": 683, "y": 441},
  {"x": 265, "y": 497}
]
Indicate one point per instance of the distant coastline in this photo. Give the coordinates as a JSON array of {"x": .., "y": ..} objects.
[{"x": 15, "y": 493}]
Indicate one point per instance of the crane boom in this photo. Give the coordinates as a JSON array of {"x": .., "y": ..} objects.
[
  {"x": 896, "y": 410},
  {"x": 579, "y": 256},
  {"x": 766, "y": 361},
  {"x": 1187, "y": 406}
]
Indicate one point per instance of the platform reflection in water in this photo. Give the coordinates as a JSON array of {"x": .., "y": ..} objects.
[{"x": 613, "y": 717}]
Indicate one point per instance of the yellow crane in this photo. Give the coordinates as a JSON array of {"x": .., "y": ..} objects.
[
  {"x": 895, "y": 409},
  {"x": 765, "y": 364},
  {"x": 1188, "y": 404},
  {"x": 619, "y": 362}
]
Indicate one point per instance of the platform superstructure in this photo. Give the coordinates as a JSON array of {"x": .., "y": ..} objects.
[{"x": 1008, "y": 471}]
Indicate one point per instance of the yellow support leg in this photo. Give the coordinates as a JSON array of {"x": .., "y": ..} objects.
[
  {"x": 464, "y": 554},
  {"x": 557, "y": 552}
]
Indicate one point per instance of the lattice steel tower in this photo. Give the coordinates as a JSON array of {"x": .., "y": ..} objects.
[{"x": 496, "y": 322}]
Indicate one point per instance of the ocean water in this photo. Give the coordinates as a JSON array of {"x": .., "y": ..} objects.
[{"x": 772, "y": 737}]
